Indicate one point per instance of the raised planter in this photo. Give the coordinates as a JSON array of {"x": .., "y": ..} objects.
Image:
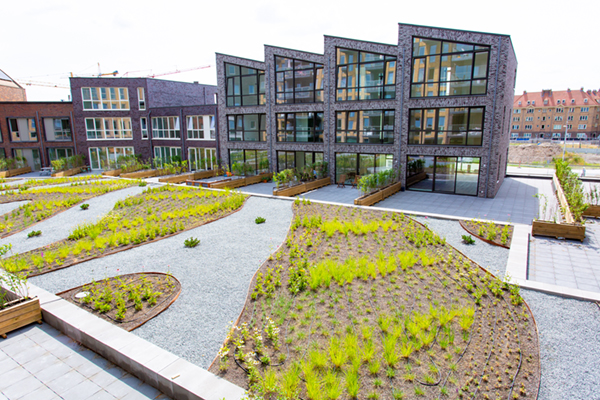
[
  {"x": 189, "y": 177},
  {"x": 411, "y": 180},
  {"x": 592, "y": 211},
  {"x": 18, "y": 313},
  {"x": 112, "y": 172},
  {"x": 147, "y": 173},
  {"x": 302, "y": 188},
  {"x": 68, "y": 172},
  {"x": 567, "y": 231},
  {"x": 375, "y": 197},
  {"x": 236, "y": 183},
  {"x": 15, "y": 172}
]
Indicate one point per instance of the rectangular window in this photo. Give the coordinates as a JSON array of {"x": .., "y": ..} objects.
[
  {"x": 144, "y": 127},
  {"x": 300, "y": 127},
  {"x": 247, "y": 127},
  {"x": 458, "y": 175},
  {"x": 559, "y": 110},
  {"x": 165, "y": 128},
  {"x": 585, "y": 109},
  {"x": 529, "y": 119},
  {"x": 527, "y": 135},
  {"x": 165, "y": 154},
  {"x": 22, "y": 130},
  {"x": 517, "y": 111},
  {"x": 200, "y": 127},
  {"x": 372, "y": 127},
  {"x": 514, "y": 135},
  {"x": 32, "y": 157},
  {"x": 202, "y": 159},
  {"x": 57, "y": 129},
  {"x": 558, "y": 118},
  {"x": 102, "y": 157},
  {"x": 582, "y": 126},
  {"x": 108, "y": 128},
  {"x": 581, "y": 136},
  {"x": 557, "y": 127},
  {"x": 257, "y": 160},
  {"x": 583, "y": 117},
  {"x": 298, "y": 81},
  {"x": 365, "y": 76},
  {"x": 515, "y": 127},
  {"x": 442, "y": 68},
  {"x": 516, "y": 119},
  {"x": 297, "y": 159},
  {"x": 244, "y": 86},
  {"x": 570, "y": 118},
  {"x": 447, "y": 126},
  {"x": 352, "y": 164},
  {"x": 530, "y": 126},
  {"x": 556, "y": 136},
  {"x": 105, "y": 98},
  {"x": 141, "y": 98},
  {"x": 530, "y": 111},
  {"x": 55, "y": 153}
]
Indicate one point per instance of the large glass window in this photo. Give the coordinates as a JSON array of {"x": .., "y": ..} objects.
[
  {"x": 298, "y": 81},
  {"x": 372, "y": 126},
  {"x": 57, "y": 129},
  {"x": 245, "y": 86},
  {"x": 165, "y": 128},
  {"x": 202, "y": 159},
  {"x": 300, "y": 127},
  {"x": 101, "y": 157},
  {"x": 443, "y": 174},
  {"x": 105, "y": 98},
  {"x": 297, "y": 159},
  {"x": 22, "y": 129},
  {"x": 365, "y": 76},
  {"x": 462, "y": 126},
  {"x": 32, "y": 156},
  {"x": 442, "y": 68},
  {"x": 166, "y": 153},
  {"x": 201, "y": 127},
  {"x": 247, "y": 127},
  {"x": 352, "y": 164},
  {"x": 258, "y": 160},
  {"x": 55, "y": 153},
  {"x": 108, "y": 128}
]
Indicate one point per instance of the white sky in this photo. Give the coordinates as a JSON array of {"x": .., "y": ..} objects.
[{"x": 45, "y": 40}]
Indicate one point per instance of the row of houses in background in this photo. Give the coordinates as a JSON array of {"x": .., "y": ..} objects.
[
  {"x": 546, "y": 115},
  {"x": 436, "y": 106}
]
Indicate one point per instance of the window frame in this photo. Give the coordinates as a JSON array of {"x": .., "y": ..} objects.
[
  {"x": 261, "y": 97},
  {"x": 103, "y": 125},
  {"x": 312, "y": 132},
  {"x": 120, "y": 101},
  {"x": 141, "y": 98},
  {"x": 15, "y": 135},
  {"x": 359, "y": 132},
  {"x": 166, "y": 132},
  {"x": 435, "y": 130},
  {"x": 206, "y": 130},
  {"x": 70, "y": 130},
  {"x": 315, "y": 69},
  {"x": 262, "y": 133}
]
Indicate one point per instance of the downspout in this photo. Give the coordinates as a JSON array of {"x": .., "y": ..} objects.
[
  {"x": 487, "y": 177},
  {"x": 74, "y": 136},
  {"x": 183, "y": 124},
  {"x": 41, "y": 137},
  {"x": 402, "y": 177},
  {"x": 217, "y": 136},
  {"x": 270, "y": 135},
  {"x": 149, "y": 122},
  {"x": 327, "y": 127}
]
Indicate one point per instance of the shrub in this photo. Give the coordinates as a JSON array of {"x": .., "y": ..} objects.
[
  {"x": 142, "y": 183},
  {"x": 467, "y": 239},
  {"x": 34, "y": 233},
  {"x": 85, "y": 206},
  {"x": 191, "y": 242},
  {"x": 260, "y": 220}
]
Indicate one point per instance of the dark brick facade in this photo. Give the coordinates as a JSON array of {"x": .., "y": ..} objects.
[
  {"x": 497, "y": 103},
  {"x": 38, "y": 111}
]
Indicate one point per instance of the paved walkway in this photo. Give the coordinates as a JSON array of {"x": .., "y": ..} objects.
[{"x": 37, "y": 362}]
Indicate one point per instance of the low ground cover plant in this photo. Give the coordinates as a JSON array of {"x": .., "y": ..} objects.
[
  {"x": 496, "y": 233},
  {"x": 468, "y": 239},
  {"x": 34, "y": 234},
  {"x": 259, "y": 220},
  {"x": 84, "y": 206},
  {"x": 364, "y": 304},
  {"x": 191, "y": 242},
  {"x": 156, "y": 213},
  {"x": 48, "y": 201}
]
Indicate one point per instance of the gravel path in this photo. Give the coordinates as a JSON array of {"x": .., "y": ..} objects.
[
  {"x": 493, "y": 258},
  {"x": 569, "y": 333},
  {"x": 214, "y": 276},
  {"x": 8, "y": 207},
  {"x": 59, "y": 226}
]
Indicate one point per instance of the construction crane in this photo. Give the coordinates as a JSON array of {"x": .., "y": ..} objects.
[
  {"x": 178, "y": 71},
  {"x": 47, "y": 84}
]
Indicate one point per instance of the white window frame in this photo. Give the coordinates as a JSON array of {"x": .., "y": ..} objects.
[
  {"x": 141, "y": 99},
  {"x": 172, "y": 150},
  {"x": 144, "y": 122},
  {"x": 527, "y": 135},
  {"x": 515, "y": 127},
  {"x": 582, "y": 135},
  {"x": 528, "y": 119},
  {"x": 514, "y": 135},
  {"x": 114, "y": 154},
  {"x": 582, "y": 126},
  {"x": 517, "y": 111},
  {"x": 205, "y": 124},
  {"x": 585, "y": 109},
  {"x": 202, "y": 155},
  {"x": 557, "y": 126},
  {"x": 583, "y": 117},
  {"x": 166, "y": 128},
  {"x": 528, "y": 127},
  {"x": 120, "y": 128},
  {"x": 556, "y": 135},
  {"x": 105, "y": 98}
]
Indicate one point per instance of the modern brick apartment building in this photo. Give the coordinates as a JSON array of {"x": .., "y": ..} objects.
[
  {"x": 552, "y": 114},
  {"x": 436, "y": 107},
  {"x": 10, "y": 90},
  {"x": 149, "y": 117},
  {"x": 39, "y": 131}
]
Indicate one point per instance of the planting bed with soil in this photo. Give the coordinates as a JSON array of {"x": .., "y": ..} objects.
[
  {"x": 152, "y": 215},
  {"x": 372, "y": 305},
  {"x": 498, "y": 234},
  {"x": 46, "y": 202},
  {"x": 127, "y": 301}
]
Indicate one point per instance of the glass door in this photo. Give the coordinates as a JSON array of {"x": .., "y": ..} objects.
[{"x": 445, "y": 174}]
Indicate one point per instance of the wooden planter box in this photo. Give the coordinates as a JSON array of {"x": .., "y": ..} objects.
[
  {"x": 15, "y": 172},
  {"x": 302, "y": 188},
  {"x": 112, "y": 172},
  {"x": 69, "y": 172},
  {"x": 236, "y": 183},
  {"x": 385, "y": 192},
  {"x": 189, "y": 177},
  {"x": 567, "y": 231},
  {"x": 416, "y": 178},
  {"x": 19, "y": 314},
  {"x": 592, "y": 211},
  {"x": 148, "y": 173}
]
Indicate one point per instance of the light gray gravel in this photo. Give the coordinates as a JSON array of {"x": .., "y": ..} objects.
[
  {"x": 569, "y": 334},
  {"x": 214, "y": 276},
  {"x": 493, "y": 258},
  {"x": 59, "y": 226},
  {"x": 8, "y": 207}
]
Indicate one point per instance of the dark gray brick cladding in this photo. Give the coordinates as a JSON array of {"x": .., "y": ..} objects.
[{"x": 497, "y": 103}]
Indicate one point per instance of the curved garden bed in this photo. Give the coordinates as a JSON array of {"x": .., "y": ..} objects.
[
  {"x": 127, "y": 301},
  {"x": 489, "y": 232},
  {"x": 335, "y": 314}
]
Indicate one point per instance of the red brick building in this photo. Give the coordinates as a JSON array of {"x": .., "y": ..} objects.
[{"x": 10, "y": 90}]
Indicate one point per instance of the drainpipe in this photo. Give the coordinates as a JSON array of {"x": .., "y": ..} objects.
[
  {"x": 487, "y": 176},
  {"x": 73, "y": 135},
  {"x": 41, "y": 137},
  {"x": 182, "y": 124},
  {"x": 400, "y": 122},
  {"x": 327, "y": 156},
  {"x": 149, "y": 122},
  {"x": 270, "y": 130}
]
